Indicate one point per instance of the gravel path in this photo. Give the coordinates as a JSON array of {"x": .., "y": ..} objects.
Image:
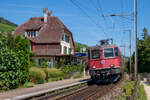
[
  {"x": 147, "y": 90},
  {"x": 39, "y": 87}
]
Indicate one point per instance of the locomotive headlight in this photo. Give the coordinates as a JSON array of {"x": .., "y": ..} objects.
[
  {"x": 112, "y": 65},
  {"x": 94, "y": 67},
  {"x": 102, "y": 62}
]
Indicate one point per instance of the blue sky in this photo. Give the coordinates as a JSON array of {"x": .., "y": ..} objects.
[{"x": 85, "y": 30}]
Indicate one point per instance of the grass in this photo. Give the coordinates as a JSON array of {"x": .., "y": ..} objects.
[
  {"x": 77, "y": 75},
  {"x": 6, "y": 28},
  {"x": 28, "y": 84},
  {"x": 129, "y": 85},
  {"x": 127, "y": 88},
  {"x": 141, "y": 93}
]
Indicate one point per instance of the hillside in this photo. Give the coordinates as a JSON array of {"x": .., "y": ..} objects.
[
  {"x": 6, "y": 26},
  {"x": 78, "y": 47}
]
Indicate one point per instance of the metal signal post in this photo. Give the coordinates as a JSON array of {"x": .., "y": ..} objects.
[
  {"x": 130, "y": 49},
  {"x": 130, "y": 52},
  {"x": 135, "y": 37}
]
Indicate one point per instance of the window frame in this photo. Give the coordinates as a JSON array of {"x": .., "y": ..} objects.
[
  {"x": 112, "y": 53},
  {"x": 116, "y": 52},
  {"x": 91, "y": 54},
  {"x": 31, "y": 34}
]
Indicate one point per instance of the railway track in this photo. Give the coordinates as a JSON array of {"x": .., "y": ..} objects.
[{"x": 86, "y": 92}]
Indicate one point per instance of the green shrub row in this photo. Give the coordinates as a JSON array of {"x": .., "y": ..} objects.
[
  {"x": 14, "y": 58},
  {"x": 69, "y": 69},
  {"x": 40, "y": 75},
  {"x": 37, "y": 75}
]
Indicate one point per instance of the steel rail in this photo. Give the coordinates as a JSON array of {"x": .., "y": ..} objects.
[{"x": 43, "y": 92}]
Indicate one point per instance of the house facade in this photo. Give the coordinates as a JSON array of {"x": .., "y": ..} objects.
[{"x": 49, "y": 37}]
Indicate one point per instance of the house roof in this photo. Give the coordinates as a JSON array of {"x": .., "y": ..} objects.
[{"x": 50, "y": 32}]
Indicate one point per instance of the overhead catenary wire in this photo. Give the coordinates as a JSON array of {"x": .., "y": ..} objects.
[
  {"x": 101, "y": 10},
  {"x": 85, "y": 13},
  {"x": 98, "y": 8},
  {"x": 122, "y": 22}
]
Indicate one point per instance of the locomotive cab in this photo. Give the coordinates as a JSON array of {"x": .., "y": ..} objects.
[{"x": 105, "y": 62}]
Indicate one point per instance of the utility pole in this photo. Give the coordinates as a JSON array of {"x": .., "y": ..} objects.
[
  {"x": 130, "y": 49},
  {"x": 124, "y": 52},
  {"x": 135, "y": 37}
]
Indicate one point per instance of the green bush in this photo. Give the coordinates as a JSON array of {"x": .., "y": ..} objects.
[
  {"x": 76, "y": 75},
  {"x": 37, "y": 75},
  {"x": 141, "y": 93},
  {"x": 32, "y": 63},
  {"x": 13, "y": 71},
  {"x": 44, "y": 64},
  {"x": 129, "y": 85},
  {"x": 28, "y": 84},
  {"x": 69, "y": 69},
  {"x": 60, "y": 63},
  {"x": 47, "y": 71},
  {"x": 55, "y": 74}
]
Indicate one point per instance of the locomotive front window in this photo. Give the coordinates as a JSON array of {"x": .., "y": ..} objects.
[
  {"x": 95, "y": 54},
  {"x": 108, "y": 52},
  {"x": 116, "y": 52}
]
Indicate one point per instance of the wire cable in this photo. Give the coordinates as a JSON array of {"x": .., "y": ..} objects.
[{"x": 85, "y": 13}]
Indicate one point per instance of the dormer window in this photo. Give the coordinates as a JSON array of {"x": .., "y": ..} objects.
[{"x": 31, "y": 34}]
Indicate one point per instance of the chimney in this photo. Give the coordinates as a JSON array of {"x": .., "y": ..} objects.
[
  {"x": 49, "y": 13},
  {"x": 45, "y": 15}
]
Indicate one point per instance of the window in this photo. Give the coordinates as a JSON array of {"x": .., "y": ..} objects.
[
  {"x": 30, "y": 47},
  {"x": 31, "y": 33},
  {"x": 65, "y": 50},
  {"x": 95, "y": 54},
  {"x": 108, "y": 52},
  {"x": 89, "y": 54},
  {"x": 63, "y": 37},
  {"x": 39, "y": 62},
  {"x": 116, "y": 52},
  {"x": 25, "y": 34},
  {"x": 70, "y": 50},
  {"x": 66, "y": 38}
]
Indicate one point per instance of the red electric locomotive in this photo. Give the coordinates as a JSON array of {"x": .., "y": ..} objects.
[{"x": 105, "y": 62}]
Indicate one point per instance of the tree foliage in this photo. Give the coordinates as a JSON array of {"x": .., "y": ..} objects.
[
  {"x": 145, "y": 33},
  {"x": 143, "y": 53},
  {"x": 14, "y": 61},
  {"x": 78, "y": 47}
]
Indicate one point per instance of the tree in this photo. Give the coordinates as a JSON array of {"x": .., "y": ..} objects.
[
  {"x": 14, "y": 61},
  {"x": 78, "y": 47},
  {"x": 22, "y": 49},
  {"x": 143, "y": 53},
  {"x": 145, "y": 33},
  {"x": 10, "y": 41}
]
